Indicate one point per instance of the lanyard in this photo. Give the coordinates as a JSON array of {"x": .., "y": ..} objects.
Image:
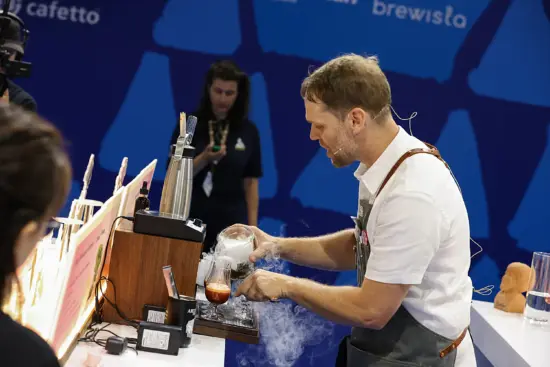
[{"x": 224, "y": 132}]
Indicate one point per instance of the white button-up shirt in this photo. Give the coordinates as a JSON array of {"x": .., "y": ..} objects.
[{"x": 419, "y": 234}]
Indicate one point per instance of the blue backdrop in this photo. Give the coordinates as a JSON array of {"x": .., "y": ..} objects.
[{"x": 113, "y": 75}]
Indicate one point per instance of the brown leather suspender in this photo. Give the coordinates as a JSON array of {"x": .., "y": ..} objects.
[
  {"x": 433, "y": 151},
  {"x": 453, "y": 345}
]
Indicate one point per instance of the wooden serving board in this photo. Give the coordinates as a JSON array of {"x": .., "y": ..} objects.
[{"x": 245, "y": 330}]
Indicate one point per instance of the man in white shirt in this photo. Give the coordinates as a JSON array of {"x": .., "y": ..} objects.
[{"x": 410, "y": 243}]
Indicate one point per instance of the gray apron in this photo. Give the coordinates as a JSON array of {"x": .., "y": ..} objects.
[{"x": 403, "y": 341}]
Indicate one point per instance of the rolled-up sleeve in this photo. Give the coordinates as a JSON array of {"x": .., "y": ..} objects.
[{"x": 406, "y": 235}]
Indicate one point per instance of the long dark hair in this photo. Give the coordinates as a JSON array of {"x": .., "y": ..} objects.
[
  {"x": 35, "y": 176},
  {"x": 229, "y": 71}
]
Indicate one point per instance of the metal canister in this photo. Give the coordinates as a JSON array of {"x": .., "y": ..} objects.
[
  {"x": 181, "y": 312},
  {"x": 178, "y": 183}
]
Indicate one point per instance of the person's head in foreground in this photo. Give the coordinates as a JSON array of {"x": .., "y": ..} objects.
[
  {"x": 35, "y": 176},
  {"x": 347, "y": 103}
]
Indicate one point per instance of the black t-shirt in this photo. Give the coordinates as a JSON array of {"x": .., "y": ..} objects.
[
  {"x": 22, "y": 347},
  {"x": 243, "y": 160},
  {"x": 19, "y": 97}
]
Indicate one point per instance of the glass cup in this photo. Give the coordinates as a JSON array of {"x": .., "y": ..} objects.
[
  {"x": 237, "y": 243},
  {"x": 204, "y": 268},
  {"x": 537, "y": 307},
  {"x": 217, "y": 286}
]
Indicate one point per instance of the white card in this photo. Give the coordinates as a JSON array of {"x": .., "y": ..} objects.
[{"x": 207, "y": 185}]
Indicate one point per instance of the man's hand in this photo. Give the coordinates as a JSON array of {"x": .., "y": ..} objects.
[
  {"x": 264, "y": 244},
  {"x": 264, "y": 286}
]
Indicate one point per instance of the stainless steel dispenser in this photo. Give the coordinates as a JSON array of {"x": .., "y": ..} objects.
[{"x": 178, "y": 183}]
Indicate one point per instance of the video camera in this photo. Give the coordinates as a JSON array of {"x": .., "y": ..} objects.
[{"x": 13, "y": 39}]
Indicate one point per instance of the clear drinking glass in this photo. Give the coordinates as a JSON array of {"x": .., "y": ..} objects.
[
  {"x": 217, "y": 286},
  {"x": 537, "y": 307},
  {"x": 204, "y": 268},
  {"x": 237, "y": 243}
]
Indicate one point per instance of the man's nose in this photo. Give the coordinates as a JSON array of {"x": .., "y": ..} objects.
[{"x": 313, "y": 135}]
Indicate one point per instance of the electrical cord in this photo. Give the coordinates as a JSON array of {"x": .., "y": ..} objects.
[
  {"x": 98, "y": 314},
  {"x": 131, "y": 219},
  {"x": 113, "y": 303},
  {"x": 92, "y": 333}
]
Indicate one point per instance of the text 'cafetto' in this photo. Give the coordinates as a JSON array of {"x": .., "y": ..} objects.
[{"x": 53, "y": 10}]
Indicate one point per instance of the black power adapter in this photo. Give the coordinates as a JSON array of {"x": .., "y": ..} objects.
[
  {"x": 159, "y": 338},
  {"x": 156, "y": 314},
  {"x": 116, "y": 345}
]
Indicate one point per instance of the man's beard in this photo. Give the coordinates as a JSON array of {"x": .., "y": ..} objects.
[
  {"x": 344, "y": 154},
  {"x": 340, "y": 158}
]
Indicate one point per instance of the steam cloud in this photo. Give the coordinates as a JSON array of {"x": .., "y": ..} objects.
[{"x": 285, "y": 329}]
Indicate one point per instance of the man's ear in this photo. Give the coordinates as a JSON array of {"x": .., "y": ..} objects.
[{"x": 358, "y": 118}]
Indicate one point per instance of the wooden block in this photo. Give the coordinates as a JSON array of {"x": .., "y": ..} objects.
[{"x": 136, "y": 272}]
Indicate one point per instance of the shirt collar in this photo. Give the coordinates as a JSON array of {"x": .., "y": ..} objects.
[{"x": 373, "y": 176}]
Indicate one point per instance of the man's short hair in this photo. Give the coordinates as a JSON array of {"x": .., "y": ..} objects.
[{"x": 347, "y": 82}]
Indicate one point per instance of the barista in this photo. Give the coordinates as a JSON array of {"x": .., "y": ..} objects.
[
  {"x": 410, "y": 244},
  {"x": 228, "y": 164},
  {"x": 35, "y": 176}
]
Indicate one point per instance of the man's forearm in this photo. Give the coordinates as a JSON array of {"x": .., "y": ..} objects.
[
  {"x": 339, "y": 304},
  {"x": 329, "y": 252}
]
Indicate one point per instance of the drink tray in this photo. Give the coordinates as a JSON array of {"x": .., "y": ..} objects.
[{"x": 239, "y": 322}]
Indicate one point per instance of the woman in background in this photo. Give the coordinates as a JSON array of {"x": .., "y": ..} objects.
[
  {"x": 34, "y": 181},
  {"x": 228, "y": 163}
]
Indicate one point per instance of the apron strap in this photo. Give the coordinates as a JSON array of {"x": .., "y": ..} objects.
[
  {"x": 435, "y": 152},
  {"x": 453, "y": 345},
  {"x": 431, "y": 150}
]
